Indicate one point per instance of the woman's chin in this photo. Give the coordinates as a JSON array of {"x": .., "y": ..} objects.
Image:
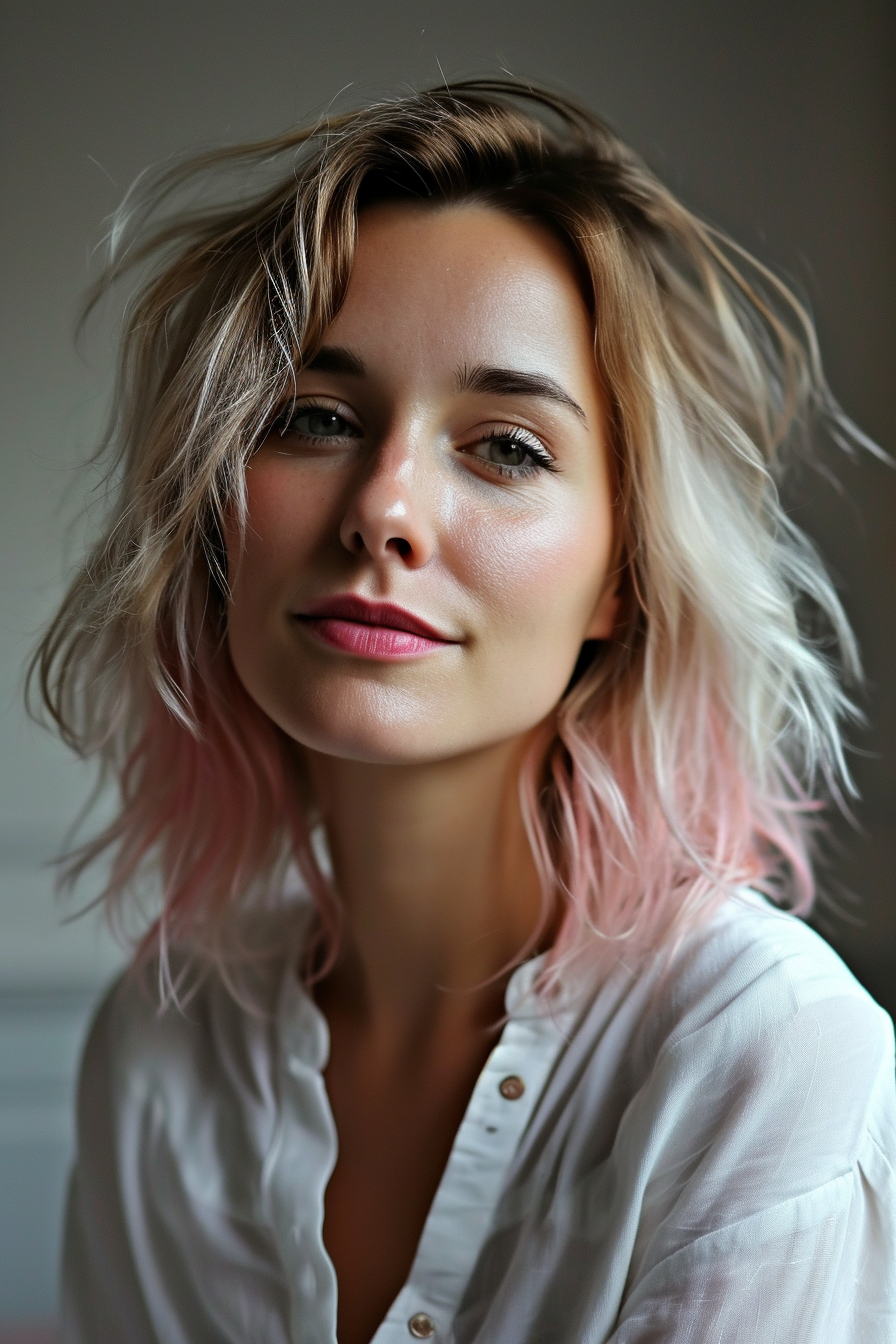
[{"x": 411, "y": 741}]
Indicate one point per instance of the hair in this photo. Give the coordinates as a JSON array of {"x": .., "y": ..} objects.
[{"x": 685, "y": 757}]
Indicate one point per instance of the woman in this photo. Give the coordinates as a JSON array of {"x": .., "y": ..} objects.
[{"x": 448, "y": 573}]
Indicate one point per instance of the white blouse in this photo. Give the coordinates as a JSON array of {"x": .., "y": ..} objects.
[{"x": 699, "y": 1153}]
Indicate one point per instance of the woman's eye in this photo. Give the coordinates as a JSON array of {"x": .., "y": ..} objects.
[
  {"x": 513, "y": 455},
  {"x": 505, "y": 452},
  {"x": 318, "y": 422}
]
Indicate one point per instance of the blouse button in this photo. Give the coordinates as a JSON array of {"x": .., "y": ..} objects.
[
  {"x": 422, "y": 1326},
  {"x": 511, "y": 1088}
]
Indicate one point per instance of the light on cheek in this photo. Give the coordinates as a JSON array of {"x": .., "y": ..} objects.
[{"x": 554, "y": 563}]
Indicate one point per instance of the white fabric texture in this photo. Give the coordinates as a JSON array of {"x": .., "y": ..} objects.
[{"x": 704, "y": 1154}]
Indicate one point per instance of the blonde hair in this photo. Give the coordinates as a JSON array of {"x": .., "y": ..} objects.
[{"x": 684, "y": 757}]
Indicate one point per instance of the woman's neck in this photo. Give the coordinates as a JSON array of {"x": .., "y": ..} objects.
[{"x": 438, "y": 883}]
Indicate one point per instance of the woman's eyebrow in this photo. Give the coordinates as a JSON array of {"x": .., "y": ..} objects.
[
  {"x": 515, "y": 383},
  {"x": 336, "y": 359},
  {"x": 488, "y": 378}
]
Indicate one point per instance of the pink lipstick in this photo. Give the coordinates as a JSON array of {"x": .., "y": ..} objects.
[{"x": 377, "y": 630}]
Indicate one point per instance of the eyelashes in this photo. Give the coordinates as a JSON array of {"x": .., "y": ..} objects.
[
  {"x": 513, "y": 453},
  {"x": 507, "y": 451},
  {"x": 319, "y": 422}
]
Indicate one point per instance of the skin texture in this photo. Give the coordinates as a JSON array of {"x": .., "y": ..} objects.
[{"x": 387, "y": 485}]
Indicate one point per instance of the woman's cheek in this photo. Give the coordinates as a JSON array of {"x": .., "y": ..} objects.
[
  {"x": 285, "y": 508},
  {"x": 542, "y": 576}
]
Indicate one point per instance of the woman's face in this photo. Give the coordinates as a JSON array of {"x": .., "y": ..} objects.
[{"x": 429, "y": 541}]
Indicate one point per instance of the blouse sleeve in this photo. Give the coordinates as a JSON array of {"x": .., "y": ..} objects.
[
  {"x": 770, "y": 1214},
  {"x": 157, "y": 1249},
  {"x": 102, "y": 1293}
]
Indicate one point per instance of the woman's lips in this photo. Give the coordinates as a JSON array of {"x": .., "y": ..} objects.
[{"x": 377, "y": 630}]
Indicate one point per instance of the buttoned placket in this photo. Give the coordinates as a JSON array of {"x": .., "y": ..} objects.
[{"x": 304, "y": 1154}]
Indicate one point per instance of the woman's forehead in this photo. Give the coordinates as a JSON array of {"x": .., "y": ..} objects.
[{"x": 460, "y": 285}]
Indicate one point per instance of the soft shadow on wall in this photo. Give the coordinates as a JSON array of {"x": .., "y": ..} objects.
[{"x": 775, "y": 120}]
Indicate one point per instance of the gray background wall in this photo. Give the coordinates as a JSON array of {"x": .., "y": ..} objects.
[{"x": 774, "y": 119}]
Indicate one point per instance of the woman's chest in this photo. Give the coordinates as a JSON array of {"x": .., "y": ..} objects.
[
  {"x": 394, "y": 1140},
  {"x": 385, "y": 1232}
]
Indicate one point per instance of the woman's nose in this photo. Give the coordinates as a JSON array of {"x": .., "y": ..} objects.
[{"x": 387, "y": 514}]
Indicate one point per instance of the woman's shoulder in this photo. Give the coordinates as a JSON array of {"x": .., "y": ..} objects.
[
  {"x": 180, "y": 1099},
  {"x": 749, "y": 1026},
  {"x": 201, "y": 1035},
  {"x": 755, "y": 1134},
  {"x": 740, "y": 1086},
  {"x": 750, "y": 953},
  {"x": 756, "y": 1004},
  {"x": 751, "y": 980}
]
